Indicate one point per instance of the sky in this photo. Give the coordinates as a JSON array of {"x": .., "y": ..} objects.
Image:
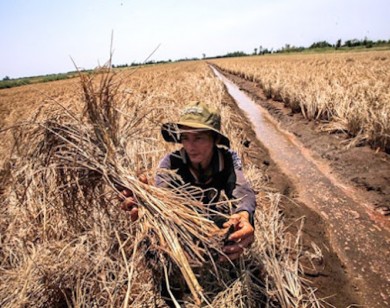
[{"x": 40, "y": 37}]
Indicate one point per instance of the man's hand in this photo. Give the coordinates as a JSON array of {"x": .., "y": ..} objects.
[
  {"x": 129, "y": 202},
  {"x": 241, "y": 238}
]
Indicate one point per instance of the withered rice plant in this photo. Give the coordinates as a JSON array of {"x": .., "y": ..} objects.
[
  {"x": 65, "y": 242},
  {"x": 75, "y": 167},
  {"x": 280, "y": 255},
  {"x": 175, "y": 223}
]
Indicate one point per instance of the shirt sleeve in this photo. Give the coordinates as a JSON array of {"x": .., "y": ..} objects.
[
  {"x": 242, "y": 189},
  {"x": 162, "y": 180}
]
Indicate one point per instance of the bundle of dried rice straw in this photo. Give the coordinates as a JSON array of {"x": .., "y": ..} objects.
[{"x": 87, "y": 153}]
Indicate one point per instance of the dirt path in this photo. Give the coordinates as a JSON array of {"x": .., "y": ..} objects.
[{"x": 350, "y": 216}]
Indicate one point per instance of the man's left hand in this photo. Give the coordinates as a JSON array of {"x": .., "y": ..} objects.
[{"x": 242, "y": 237}]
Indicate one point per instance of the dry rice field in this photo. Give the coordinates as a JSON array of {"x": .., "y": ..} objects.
[
  {"x": 66, "y": 144},
  {"x": 347, "y": 92}
]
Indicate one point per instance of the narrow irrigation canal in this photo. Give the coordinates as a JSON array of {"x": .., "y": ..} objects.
[{"x": 361, "y": 244}]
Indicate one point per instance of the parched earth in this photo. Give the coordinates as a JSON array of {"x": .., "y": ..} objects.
[{"x": 363, "y": 172}]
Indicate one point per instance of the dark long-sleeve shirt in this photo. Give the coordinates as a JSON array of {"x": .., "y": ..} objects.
[{"x": 226, "y": 174}]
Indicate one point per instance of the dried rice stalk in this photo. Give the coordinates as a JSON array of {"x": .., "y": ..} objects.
[
  {"x": 63, "y": 240},
  {"x": 176, "y": 224}
]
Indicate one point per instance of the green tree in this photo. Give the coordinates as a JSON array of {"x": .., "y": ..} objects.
[
  {"x": 321, "y": 44},
  {"x": 338, "y": 44}
]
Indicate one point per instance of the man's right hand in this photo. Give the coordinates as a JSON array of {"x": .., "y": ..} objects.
[{"x": 129, "y": 204}]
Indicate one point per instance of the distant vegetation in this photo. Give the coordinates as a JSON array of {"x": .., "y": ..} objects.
[
  {"x": 10, "y": 83},
  {"x": 339, "y": 45},
  {"x": 317, "y": 46},
  {"x": 321, "y": 46}
]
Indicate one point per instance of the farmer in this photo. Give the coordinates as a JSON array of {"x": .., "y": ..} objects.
[{"x": 205, "y": 161}]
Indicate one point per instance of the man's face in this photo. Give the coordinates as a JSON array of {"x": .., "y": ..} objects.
[{"x": 199, "y": 146}]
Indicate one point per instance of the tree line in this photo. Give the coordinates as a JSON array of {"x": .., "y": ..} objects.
[
  {"x": 321, "y": 45},
  {"x": 364, "y": 43},
  {"x": 8, "y": 82}
]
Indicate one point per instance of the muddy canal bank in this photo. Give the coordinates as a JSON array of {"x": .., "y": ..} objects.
[{"x": 346, "y": 221}]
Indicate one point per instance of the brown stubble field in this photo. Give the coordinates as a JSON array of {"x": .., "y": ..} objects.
[
  {"x": 51, "y": 257},
  {"x": 55, "y": 252},
  {"x": 337, "y": 104},
  {"x": 347, "y": 92}
]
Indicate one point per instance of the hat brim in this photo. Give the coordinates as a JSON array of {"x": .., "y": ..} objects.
[{"x": 171, "y": 132}]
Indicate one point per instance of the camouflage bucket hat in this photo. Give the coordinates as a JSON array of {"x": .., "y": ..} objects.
[{"x": 195, "y": 115}]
